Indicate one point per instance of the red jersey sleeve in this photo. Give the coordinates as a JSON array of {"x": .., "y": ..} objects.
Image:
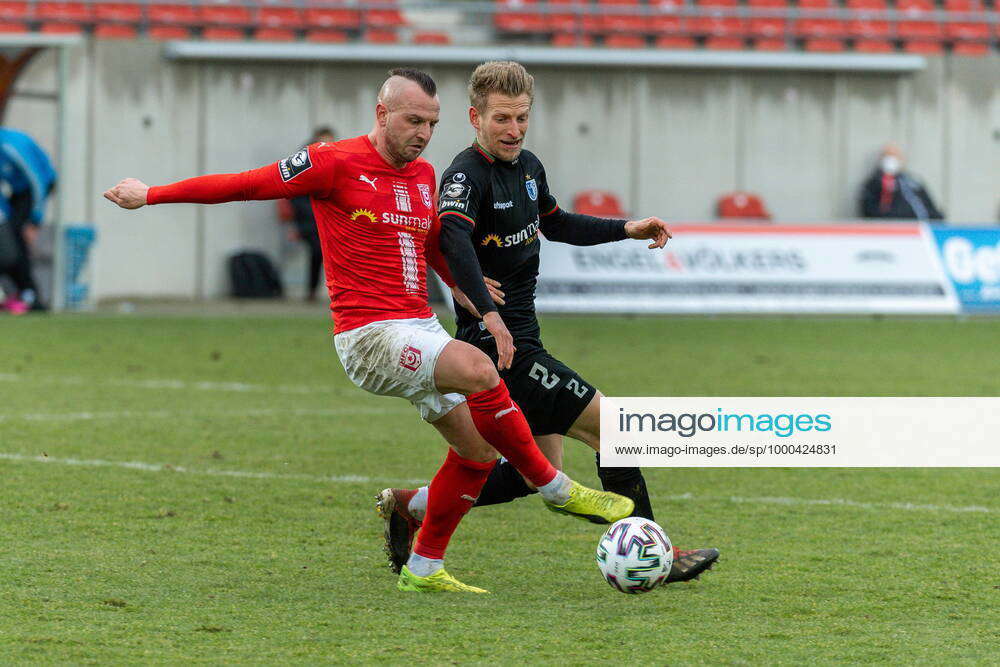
[
  {"x": 310, "y": 171},
  {"x": 435, "y": 258}
]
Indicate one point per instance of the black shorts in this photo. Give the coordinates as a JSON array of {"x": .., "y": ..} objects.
[{"x": 551, "y": 394}]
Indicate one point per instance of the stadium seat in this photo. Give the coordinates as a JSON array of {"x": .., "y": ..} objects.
[
  {"x": 385, "y": 14},
  {"x": 625, "y": 41},
  {"x": 165, "y": 32},
  {"x": 674, "y": 42},
  {"x": 568, "y": 21},
  {"x": 621, "y": 16},
  {"x": 220, "y": 34},
  {"x": 744, "y": 205},
  {"x": 971, "y": 48},
  {"x": 873, "y": 46},
  {"x": 918, "y": 22},
  {"x": 824, "y": 45},
  {"x": 326, "y": 36},
  {"x": 433, "y": 38},
  {"x": 61, "y": 28},
  {"x": 600, "y": 203},
  {"x": 118, "y": 12},
  {"x": 969, "y": 37},
  {"x": 866, "y": 23},
  {"x": 380, "y": 36},
  {"x": 115, "y": 31},
  {"x": 518, "y": 16},
  {"x": 820, "y": 33},
  {"x": 770, "y": 44},
  {"x": 274, "y": 35},
  {"x": 331, "y": 17},
  {"x": 9, "y": 27},
  {"x": 767, "y": 28},
  {"x": 723, "y": 29},
  {"x": 77, "y": 12},
  {"x": 927, "y": 48},
  {"x": 279, "y": 17},
  {"x": 570, "y": 39},
  {"x": 13, "y": 11},
  {"x": 222, "y": 13},
  {"x": 667, "y": 21},
  {"x": 172, "y": 14}
]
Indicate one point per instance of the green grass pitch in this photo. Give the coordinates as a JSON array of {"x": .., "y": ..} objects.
[{"x": 201, "y": 490}]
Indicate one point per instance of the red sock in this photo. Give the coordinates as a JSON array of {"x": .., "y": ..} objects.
[
  {"x": 501, "y": 423},
  {"x": 452, "y": 492}
]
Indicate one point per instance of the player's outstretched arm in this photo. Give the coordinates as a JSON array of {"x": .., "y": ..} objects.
[
  {"x": 130, "y": 193},
  {"x": 649, "y": 228}
]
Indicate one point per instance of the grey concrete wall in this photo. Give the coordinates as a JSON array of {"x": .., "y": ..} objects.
[{"x": 667, "y": 141}]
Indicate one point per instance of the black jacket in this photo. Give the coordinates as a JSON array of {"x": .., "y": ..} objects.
[{"x": 909, "y": 201}]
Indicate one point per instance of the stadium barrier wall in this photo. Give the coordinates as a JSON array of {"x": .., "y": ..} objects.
[
  {"x": 669, "y": 142},
  {"x": 795, "y": 269}
]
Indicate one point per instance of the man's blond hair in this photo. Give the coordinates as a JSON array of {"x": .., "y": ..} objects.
[{"x": 505, "y": 77}]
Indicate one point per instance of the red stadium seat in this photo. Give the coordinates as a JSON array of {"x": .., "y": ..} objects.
[
  {"x": 570, "y": 20},
  {"x": 220, "y": 12},
  {"x": 62, "y": 29},
  {"x": 326, "y": 36},
  {"x": 720, "y": 23},
  {"x": 118, "y": 12},
  {"x": 599, "y": 203},
  {"x": 962, "y": 31},
  {"x": 519, "y": 16},
  {"x": 279, "y": 17},
  {"x": 13, "y": 11},
  {"x": 931, "y": 48},
  {"x": 674, "y": 42},
  {"x": 172, "y": 14},
  {"x": 571, "y": 39},
  {"x": 115, "y": 31},
  {"x": 624, "y": 41},
  {"x": 744, "y": 205},
  {"x": 867, "y": 24},
  {"x": 770, "y": 44},
  {"x": 725, "y": 43},
  {"x": 274, "y": 35},
  {"x": 165, "y": 32},
  {"x": 767, "y": 27},
  {"x": 820, "y": 33},
  {"x": 873, "y": 46},
  {"x": 667, "y": 21},
  {"x": 381, "y": 36},
  {"x": 218, "y": 34},
  {"x": 824, "y": 45},
  {"x": 78, "y": 12},
  {"x": 433, "y": 38},
  {"x": 8, "y": 27},
  {"x": 971, "y": 49},
  {"x": 331, "y": 17},
  {"x": 919, "y": 23},
  {"x": 621, "y": 16},
  {"x": 384, "y": 15}
]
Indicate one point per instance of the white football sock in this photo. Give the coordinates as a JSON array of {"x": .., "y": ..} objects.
[
  {"x": 557, "y": 491},
  {"x": 417, "y": 507},
  {"x": 424, "y": 567}
]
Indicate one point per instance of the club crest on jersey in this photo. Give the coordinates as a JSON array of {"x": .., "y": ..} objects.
[
  {"x": 410, "y": 359},
  {"x": 294, "y": 165},
  {"x": 425, "y": 194},
  {"x": 532, "y": 188}
]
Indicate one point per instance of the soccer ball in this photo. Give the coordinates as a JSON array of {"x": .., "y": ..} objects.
[{"x": 635, "y": 555}]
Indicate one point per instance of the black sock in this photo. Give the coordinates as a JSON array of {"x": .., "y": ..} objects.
[
  {"x": 503, "y": 485},
  {"x": 627, "y": 482}
]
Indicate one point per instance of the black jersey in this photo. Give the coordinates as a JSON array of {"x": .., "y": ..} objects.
[{"x": 505, "y": 202}]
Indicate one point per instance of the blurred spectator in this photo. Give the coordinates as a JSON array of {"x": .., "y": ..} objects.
[
  {"x": 27, "y": 178},
  {"x": 892, "y": 193},
  {"x": 303, "y": 225}
]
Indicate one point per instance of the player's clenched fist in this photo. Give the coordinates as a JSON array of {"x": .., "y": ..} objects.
[
  {"x": 649, "y": 228},
  {"x": 130, "y": 193}
]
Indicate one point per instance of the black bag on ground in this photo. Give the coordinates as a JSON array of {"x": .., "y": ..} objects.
[{"x": 253, "y": 276}]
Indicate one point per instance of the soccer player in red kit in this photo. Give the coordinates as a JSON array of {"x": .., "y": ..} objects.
[{"x": 373, "y": 200}]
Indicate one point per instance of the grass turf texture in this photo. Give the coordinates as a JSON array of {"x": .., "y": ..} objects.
[{"x": 110, "y": 564}]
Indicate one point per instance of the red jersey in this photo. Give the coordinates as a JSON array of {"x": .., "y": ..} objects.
[{"x": 377, "y": 224}]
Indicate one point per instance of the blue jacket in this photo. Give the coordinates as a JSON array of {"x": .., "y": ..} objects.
[{"x": 24, "y": 166}]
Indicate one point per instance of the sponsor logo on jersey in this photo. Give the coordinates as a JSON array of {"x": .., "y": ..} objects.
[
  {"x": 364, "y": 214},
  {"x": 410, "y": 359},
  {"x": 413, "y": 222},
  {"x": 503, "y": 205},
  {"x": 402, "y": 196},
  {"x": 458, "y": 177},
  {"x": 532, "y": 188},
  {"x": 425, "y": 194},
  {"x": 369, "y": 181},
  {"x": 526, "y": 236},
  {"x": 294, "y": 165},
  {"x": 452, "y": 204},
  {"x": 455, "y": 191}
]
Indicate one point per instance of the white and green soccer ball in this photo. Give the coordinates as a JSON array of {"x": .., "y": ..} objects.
[{"x": 635, "y": 555}]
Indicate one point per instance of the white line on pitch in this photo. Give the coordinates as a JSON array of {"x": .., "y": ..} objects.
[
  {"x": 239, "y": 387},
  {"x": 165, "y": 414},
  {"x": 361, "y": 479}
]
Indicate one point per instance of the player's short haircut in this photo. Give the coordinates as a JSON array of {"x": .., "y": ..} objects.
[
  {"x": 505, "y": 77},
  {"x": 422, "y": 79}
]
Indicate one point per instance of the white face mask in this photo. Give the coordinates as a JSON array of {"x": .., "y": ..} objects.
[{"x": 890, "y": 164}]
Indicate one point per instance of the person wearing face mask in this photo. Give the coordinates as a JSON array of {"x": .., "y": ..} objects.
[{"x": 893, "y": 193}]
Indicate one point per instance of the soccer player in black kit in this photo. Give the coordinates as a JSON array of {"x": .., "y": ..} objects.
[{"x": 493, "y": 201}]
